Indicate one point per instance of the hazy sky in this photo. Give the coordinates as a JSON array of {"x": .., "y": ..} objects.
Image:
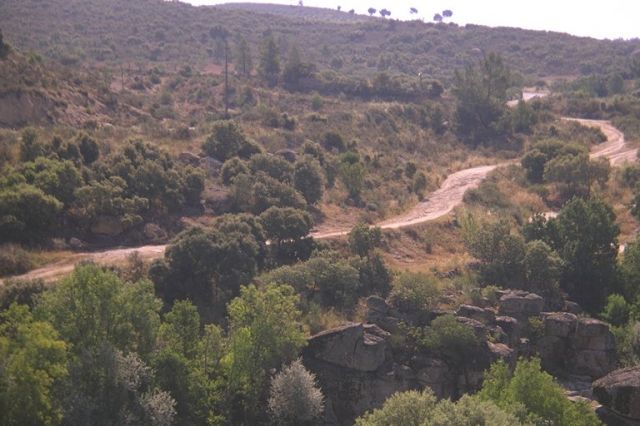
[{"x": 594, "y": 18}]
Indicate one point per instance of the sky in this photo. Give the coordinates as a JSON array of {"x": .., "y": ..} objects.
[{"x": 593, "y": 18}]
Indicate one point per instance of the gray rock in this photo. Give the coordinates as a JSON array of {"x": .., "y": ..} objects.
[
  {"x": 474, "y": 312},
  {"x": 511, "y": 328},
  {"x": 211, "y": 166},
  {"x": 560, "y": 324},
  {"x": 619, "y": 391},
  {"x": 287, "y": 154},
  {"x": 378, "y": 305},
  {"x": 521, "y": 304},
  {"x": 77, "y": 244},
  {"x": 189, "y": 159},
  {"x": 362, "y": 347}
]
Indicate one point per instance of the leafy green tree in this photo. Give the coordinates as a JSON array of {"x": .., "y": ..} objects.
[
  {"x": 232, "y": 168},
  {"x": 273, "y": 166},
  {"x": 4, "y": 47},
  {"x": 481, "y": 92},
  {"x": 352, "y": 174},
  {"x": 454, "y": 342},
  {"x": 33, "y": 360},
  {"x": 264, "y": 332},
  {"x": 419, "y": 184},
  {"x": 180, "y": 330},
  {"x": 225, "y": 142},
  {"x": 94, "y": 306},
  {"x": 500, "y": 252},
  {"x": 630, "y": 270},
  {"x": 30, "y": 147},
  {"x": 244, "y": 61},
  {"x": 295, "y": 398},
  {"x": 414, "y": 408},
  {"x": 282, "y": 224},
  {"x": 533, "y": 395},
  {"x": 27, "y": 214},
  {"x": 542, "y": 270},
  {"x": 269, "y": 192},
  {"x": 587, "y": 242},
  {"x": 308, "y": 179},
  {"x": 89, "y": 149},
  {"x": 616, "y": 311},
  {"x": 414, "y": 291},
  {"x": 269, "y": 61},
  {"x": 57, "y": 178},
  {"x": 363, "y": 239},
  {"x": 576, "y": 173}
]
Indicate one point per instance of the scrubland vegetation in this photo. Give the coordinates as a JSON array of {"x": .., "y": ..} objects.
[{"x": 231, "y": 136}]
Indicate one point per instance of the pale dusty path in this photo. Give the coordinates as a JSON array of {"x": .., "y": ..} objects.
[{"x": 437, "y": 204}]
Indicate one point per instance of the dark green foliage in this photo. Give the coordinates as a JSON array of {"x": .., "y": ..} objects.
[
  {"x": 352, "y": 173},
  {"x": 244, "y": 61},
  {"x": 14, "y": 260},
  {"x": 481, "y": 93},
  {"x": 269, "y": 61},
  {"x": 30, "y": 147},
  {"x": 273, "y": 166},
  {"x": 59, "y": 179},
  {"x": 616, "y": 311},
  {"x": 533, "y": 395},
  {"x": 375, "y": 276},
  {"x": 363, "y": 239},
  {"x": 585, "y": 237},
  {"x": 542, "y": 272},
  {"x": 284, "y": 224},
  {"x": 27, "y": 214},
  {"x": 501, "y": 253},
  {"x": 209, "y": 266},
  {"x": 227, "y": 141},
  {"x": 4, "y": 47},
  {"x": 21, "y": 292},
  {"x": 630, "y": 271},
  {"x": 333, "y": 141},
  {"x": 264, "y": 333},
  {"x": 88, "y": 149},
  {"x": 411, "y": 292},
  {"x": 232, "y": 168},
  {"x": 268, "y": 192},
  {"x": 295, "y": 70},
  {"x": 308, "y": 179}
]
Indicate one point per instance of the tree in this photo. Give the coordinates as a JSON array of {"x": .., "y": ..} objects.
[
  {"x": 226, "y": 141},
  {"x": 616, "y": 312},
  {"x": 57, "y": 178},
  {"x": 269, "y": 61},
  {"x": 30, "y": 147},
  {"x": 630, "y": 270},
  {"x": 372, "y": 11},
  {"x": 281, "y": 224},
  {"x": 4, "y": 47},
  {"x": 33, "y": 361},
  {"x": 413, "y": 10},
  {"x": 308, "y": 179},
  {"x": 533, "y": 395},
  {"x": 89, "y": 149},
  {"x": 222, "y": 34},
  {"x": 272, "y": 165},
  {"x": 352, "y": 174},
  {"x": 414, "y": 291},
  {"x": 437, "y": 17},
  {"x": 447, "y": 13},
  {"x": 363, "y": 239},
  {"x": 414, "y": 408},
  {"x": 232, "y": 168},
  {"x": 587, "y": 242},
  {"x": 244, "y": 62},
  {"x": 27, "y": 214},
  {"x": 295, "y": 397},
  {"x": 542, "y": 270},
  {"x": 264, "y": 333},
  {"x": 419, "y": 184},
  {"x": 500, "y": 252},
  {"x": 384, "y": 13},
  {"x": 295, "y": 70},
  {"x": 481, "y": 92}
]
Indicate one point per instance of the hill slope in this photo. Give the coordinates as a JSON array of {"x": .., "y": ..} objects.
[{"x": 116, "y": 31}]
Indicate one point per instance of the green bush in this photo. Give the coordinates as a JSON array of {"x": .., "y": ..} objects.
[
  {"x": 412, "y": 291},
  {"x": 14, "y": 260},
  {"x": 616, "y": 310}
]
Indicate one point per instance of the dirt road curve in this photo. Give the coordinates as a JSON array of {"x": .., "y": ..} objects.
[
  {"x": 615, "y": 149},
  {"x": 436, "y": 205}
]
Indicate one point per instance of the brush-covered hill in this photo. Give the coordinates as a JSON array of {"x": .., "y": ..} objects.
[
  {"x": 298, "y": 12},
  {"x": 155, "y": 31}
]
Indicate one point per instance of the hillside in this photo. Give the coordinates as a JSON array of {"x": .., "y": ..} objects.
[
  {"x": 157, "y": 32},
  {"x": 305, "y": 13}
]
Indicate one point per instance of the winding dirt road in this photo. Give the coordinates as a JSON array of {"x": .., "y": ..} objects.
[{"x": 438, "y": 204}]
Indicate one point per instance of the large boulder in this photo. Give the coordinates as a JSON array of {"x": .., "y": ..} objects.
[
  {"x": 361, "y": 347},
  {"x": 619, "y": 391},
  {"x": 594, "y": 347},
  {"x": 521, "y": 304},
  {"x": 511, "y": 328},
  {"x": 189, "y": 159},
  {"x": 485, "y": 316},
  {"x": 559, "y": 324}
]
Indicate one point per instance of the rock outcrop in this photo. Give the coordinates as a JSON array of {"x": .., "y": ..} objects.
[
  {"x": 359, "y": 365},
  {"x": 619, "y": 393}
]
